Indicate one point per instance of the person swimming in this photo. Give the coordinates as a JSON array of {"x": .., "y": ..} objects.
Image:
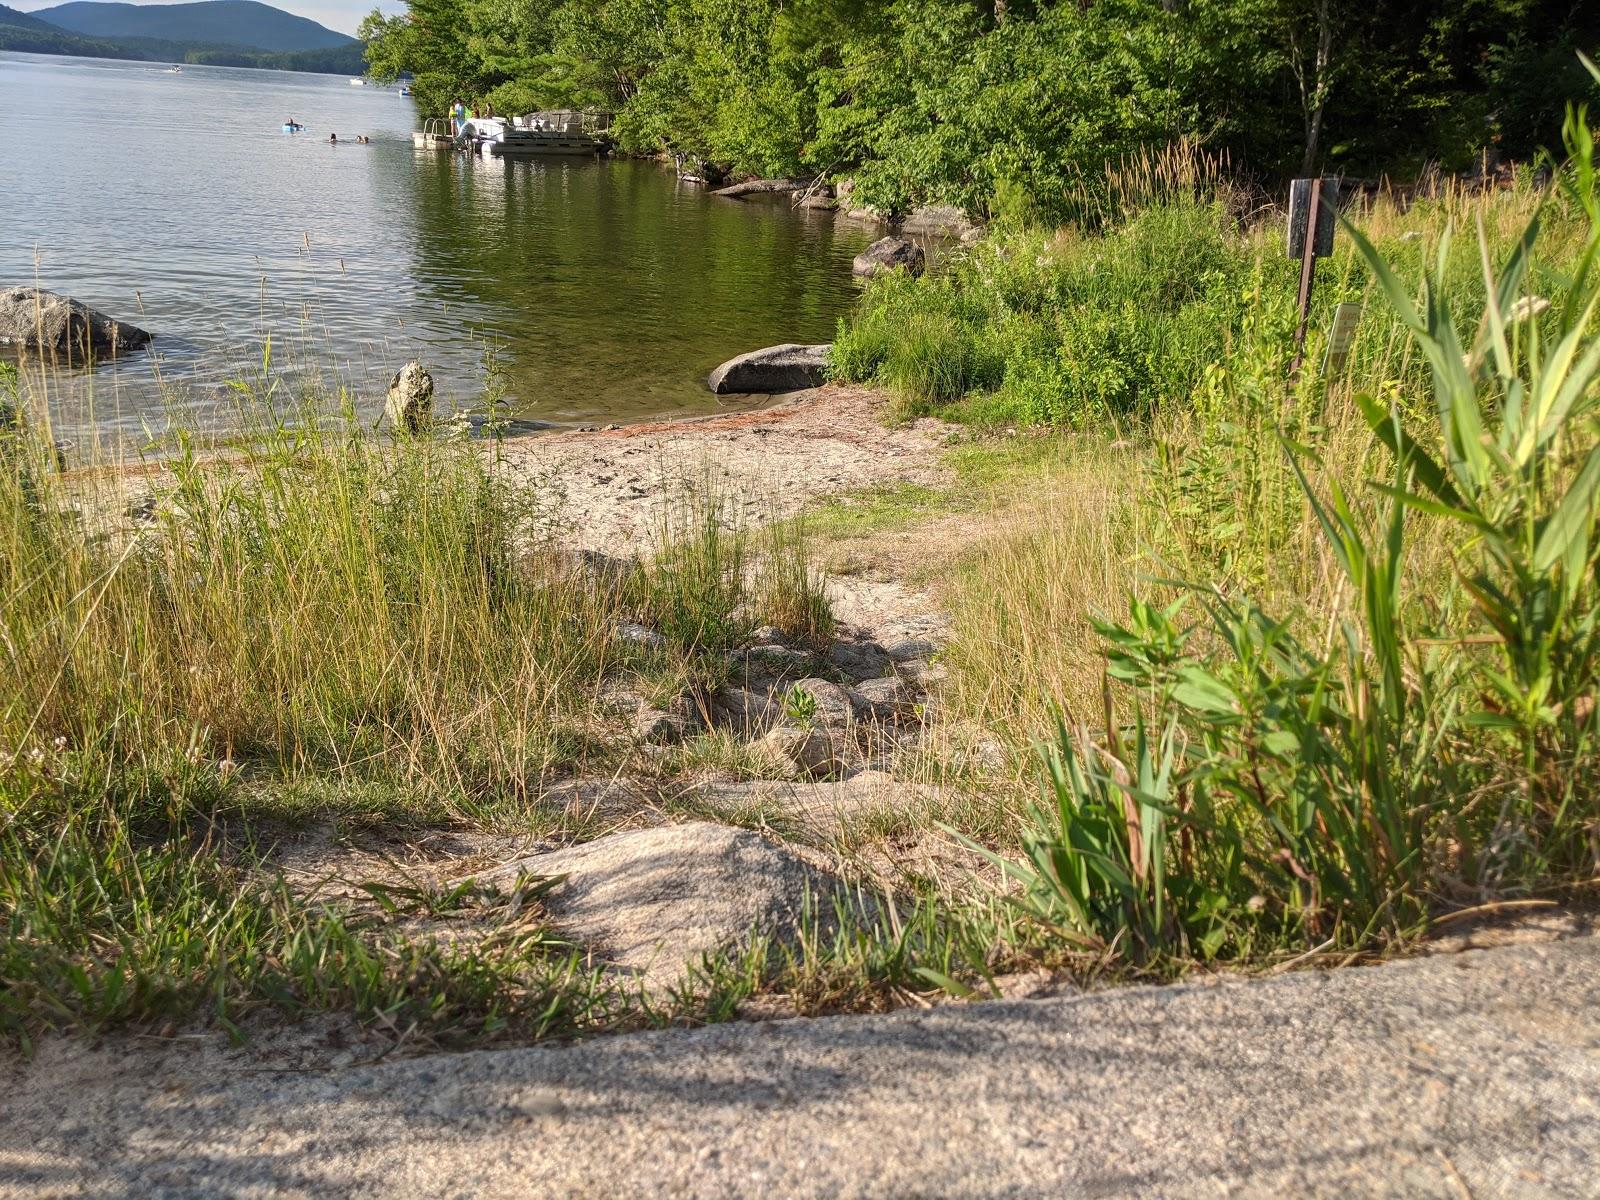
[{"x": 333, "y": 139}]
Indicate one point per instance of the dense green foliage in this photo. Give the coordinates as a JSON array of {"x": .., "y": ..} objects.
[
  {"x": 970, "y": 102},
  {"x": 1355, "y": 684}
]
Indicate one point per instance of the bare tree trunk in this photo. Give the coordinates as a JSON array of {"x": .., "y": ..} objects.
[{"x": 1314, "y": 80}]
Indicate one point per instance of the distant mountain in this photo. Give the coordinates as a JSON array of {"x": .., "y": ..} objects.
[
  {"x": 13, "y": 19},
  {"x": 243, "y": 23}
]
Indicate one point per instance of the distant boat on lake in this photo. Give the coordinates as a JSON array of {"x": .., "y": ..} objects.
[{"x": 358, "y": 83}]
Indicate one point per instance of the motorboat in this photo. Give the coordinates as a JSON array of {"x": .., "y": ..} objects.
[
  {"x": 405, "y": 91},
  {"x": 358, "y": 83},
  {"x": 174, "y": 70}
]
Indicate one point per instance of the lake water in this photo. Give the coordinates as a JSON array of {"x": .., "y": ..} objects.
[{"x": 601, "y": 289}]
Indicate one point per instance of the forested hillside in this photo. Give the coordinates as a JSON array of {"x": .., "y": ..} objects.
[
  {"x": 963, "y": 101},
  {"x": 208, "y": 22},
  {"x": 30, "y": 34}
]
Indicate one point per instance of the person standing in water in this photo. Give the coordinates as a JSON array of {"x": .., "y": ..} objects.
[{"x": 458, "y": 116}]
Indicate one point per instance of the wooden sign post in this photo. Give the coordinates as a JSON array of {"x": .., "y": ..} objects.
[{"x": 1312, "y": 204}]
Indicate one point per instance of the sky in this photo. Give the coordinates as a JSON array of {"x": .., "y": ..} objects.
[{"x": 343, "y": 15}]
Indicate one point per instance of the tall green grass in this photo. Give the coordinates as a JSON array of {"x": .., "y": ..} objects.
[
  {"x": 305, "y": 610},
  {"x": 1356, "y": 682}
]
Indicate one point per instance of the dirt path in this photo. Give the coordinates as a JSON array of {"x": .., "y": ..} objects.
[{"x": 617, "y": 482}]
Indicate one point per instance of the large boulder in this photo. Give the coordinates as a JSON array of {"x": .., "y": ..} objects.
[
  {"x": 655, "y": 901},
  {"x": 785, "y": 368},
  {"x": 889, "y": 254},
  {"x": 33, "y": 319},
  {"x": 938, "y": 220},
  {"x": 409, "y": 404}
]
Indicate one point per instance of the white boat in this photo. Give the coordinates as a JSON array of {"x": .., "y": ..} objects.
[
  {"x": 358, "y": 83},
  {"x": 530, "y": 135},
  {"x": 174, "y": 70}
]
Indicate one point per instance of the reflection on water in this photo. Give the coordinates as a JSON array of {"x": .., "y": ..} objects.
[{"x": 603, "y": 289}]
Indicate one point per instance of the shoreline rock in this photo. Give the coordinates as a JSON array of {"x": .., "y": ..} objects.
[
  {"x": 786, "y": 368},
  {"x": 889, "y": 254},
  {"x": 755, "y": 187},
  {"x": 34, "y": 319},
  {"x": 409, "y": 404}
]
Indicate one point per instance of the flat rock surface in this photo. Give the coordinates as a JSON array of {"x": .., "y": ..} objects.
[
  {"x": 655, "y": 901},
  {"x": 1462, "y": 1075}
]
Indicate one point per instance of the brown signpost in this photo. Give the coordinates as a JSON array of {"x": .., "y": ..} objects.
[{"x": 1312, "y": 205}]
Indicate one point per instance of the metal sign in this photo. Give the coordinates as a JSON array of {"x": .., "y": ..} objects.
[
  {"x": 1341, "y": 337},
  {"x": 1312, "y": 204},
  {"x": 1302, "y": 196}
]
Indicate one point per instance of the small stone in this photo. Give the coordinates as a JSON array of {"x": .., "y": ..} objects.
[
  {"x": 409, "y": 403},
  {"x": 923, "y": 672},
  {"x": 661, "y": 728},
  {"x": 829, "y": 704},
  {"x": 786, "y": 368},
  {"x": 638, "y": 635},
  {"x": 907, "y": 649},
  {"x": 781, "y": 662},
  {"x": 809, "y": 750},
  {"x": 768, "y": 635},
  {"x": 41, "y": 320},
  {"x": 939, "y": 220},
  {"x": 745, "y": 711},
  {"x": 886, "y": 698},
  {"x": 655, "y": 901},
  {"x": 860, "y": 660}
]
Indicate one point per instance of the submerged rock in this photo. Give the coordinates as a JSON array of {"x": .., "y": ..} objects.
[
  {"x": 655, "y": 901},
  {"x": 409, "y": 404},
  {"x": 889, "y": 254},
  {"x": 785, "y": 368},
  {"x": 34, "y": 319}
]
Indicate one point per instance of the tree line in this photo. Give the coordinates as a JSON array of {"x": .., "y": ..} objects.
[{"x": 979, "y": 102}]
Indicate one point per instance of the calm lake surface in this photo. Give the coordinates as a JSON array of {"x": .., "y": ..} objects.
[{"x": 601, "y": 290}]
